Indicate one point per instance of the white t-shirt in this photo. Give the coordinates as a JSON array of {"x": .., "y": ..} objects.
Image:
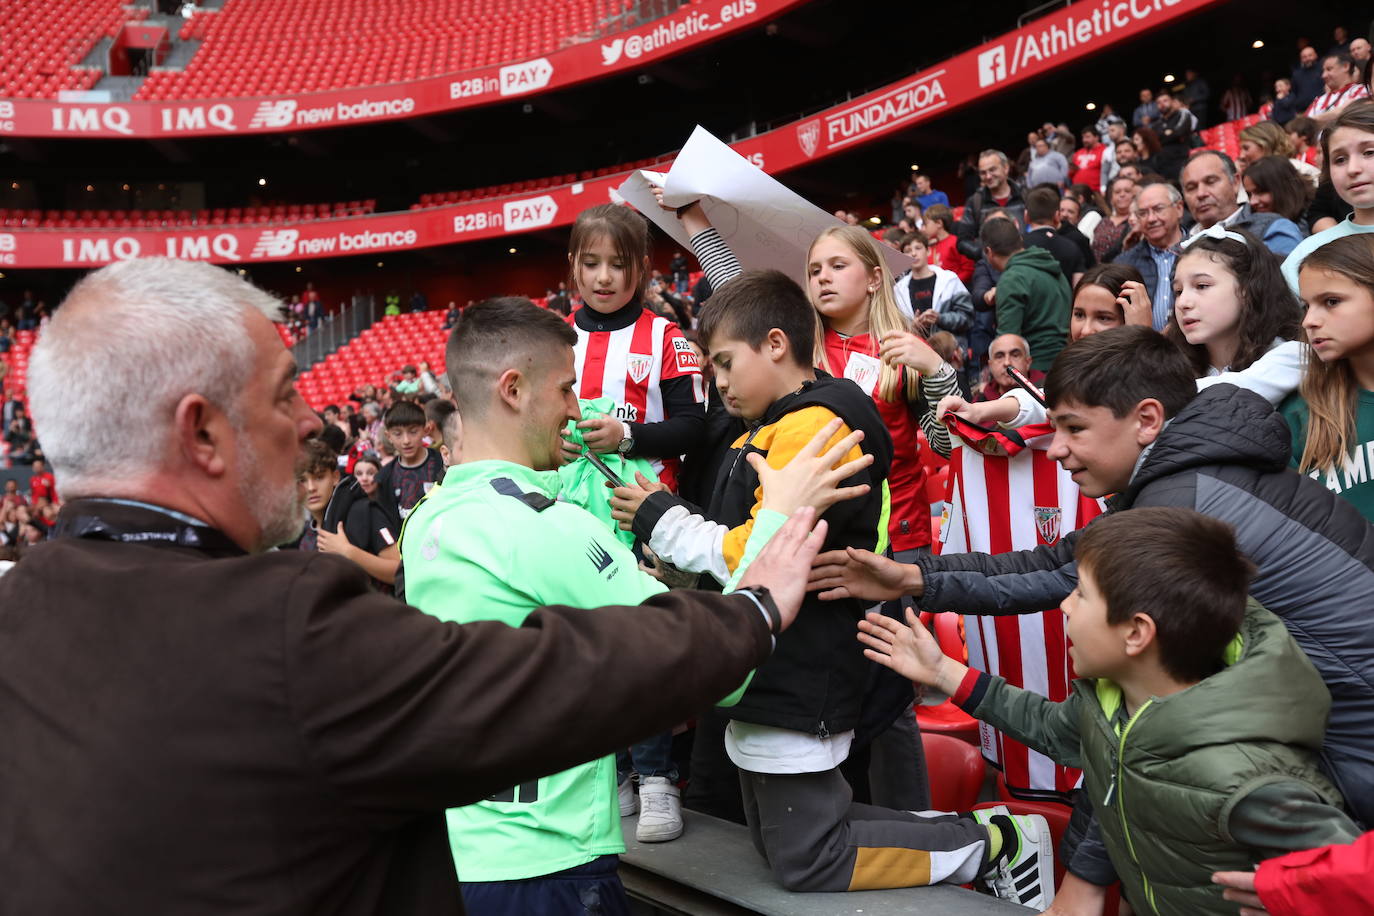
[{"x": 765, "y": 749}]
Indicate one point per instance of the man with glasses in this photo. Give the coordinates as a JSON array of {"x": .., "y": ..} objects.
[
  {"x": 998, "y": 192},
  {"x": 1159, "y": 212}
]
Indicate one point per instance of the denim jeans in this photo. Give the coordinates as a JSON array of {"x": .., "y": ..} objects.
[{"x": 651, "y": 757}]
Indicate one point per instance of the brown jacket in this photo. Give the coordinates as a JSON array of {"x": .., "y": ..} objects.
[{"x": 195, "y": 730}]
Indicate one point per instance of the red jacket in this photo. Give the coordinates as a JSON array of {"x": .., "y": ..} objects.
[{"x": 1331, "y": 879}]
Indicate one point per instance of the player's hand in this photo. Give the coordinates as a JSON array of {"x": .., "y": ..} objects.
[
  {"x": 910, "y": 651},
  {"x": 626, "y": 500},
  {"x": 781, "y": 565},
  {"x": 336, "y": 542},
  {"x": 812, "y": 478},
  {"x": 1135, "y": 304},
  {"x": 862, "y": 574},
  {"x": 1240, "y": 888},
  {"x": 902, "y": 348},
  {"x": 602, "y": 434}
]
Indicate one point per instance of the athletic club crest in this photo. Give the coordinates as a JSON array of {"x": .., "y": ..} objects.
[
  {"x": 1047, "y": 522},
  {"x": 809, "y": 136},
  {"x": 639, "y": 366}
]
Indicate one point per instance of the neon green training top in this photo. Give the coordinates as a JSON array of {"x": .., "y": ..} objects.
[{"x": 492, "y": 544}]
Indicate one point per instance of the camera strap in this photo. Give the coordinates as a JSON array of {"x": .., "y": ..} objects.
[{"x": 168, "y": 528}]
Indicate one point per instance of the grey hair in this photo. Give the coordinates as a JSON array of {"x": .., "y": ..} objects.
[
  {"x": 995, "y": 152},
  {"x": 129, "y": 342},
  {"x": 1175, "y": 195}
]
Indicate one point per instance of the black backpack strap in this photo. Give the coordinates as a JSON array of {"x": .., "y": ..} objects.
[{"x": 506, "y": 487}]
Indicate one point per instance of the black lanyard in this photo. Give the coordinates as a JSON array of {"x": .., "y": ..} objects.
[{"x": 163, "y": 531}]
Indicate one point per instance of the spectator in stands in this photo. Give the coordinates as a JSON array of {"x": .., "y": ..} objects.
[
  {"x": 1147, "y": 148},
  {"x": 1091, "y": 206},
  {"x": 1273, "y": 186},
  {"x": 1345, "y": 151},
  {"x": 393, "y": 304},
  {"x": 1307, "y": 77},
  {"x": 1360, "y": 52},
  {"x": 1197, "y": 95},
  {"x": 1302, "y": 134},
  {"x": 1146, "y": 113},
  {"x": 6, "y": 335},
  {"x": 342, "y": 520},
  {"x": 1060, "y": 137},
  {"x": 1160, "y": 602},
  {"x": 1111, "y": 231},
  {"x": 12, "y": 496},
  {"x": 19, "y": 437},
  {"x": 14, "y": 404},
  {"x": 451, "y": 316},
  {"x": 931, "y": 296},
  {"x": 1032, "y": 294},
  {"x": 944, "y": 244},
  {"x": 1341, "y": 80},
  {"x": 429, "y": 383},
  {"x": 1087, "y": 160},
  {"x": 365, "y": 471},
  {"x": 26, "y": 315},
  {"x": 997, "y": 192},
  {"x": 1006, "y": 350},
  {"x": 419, "y": 302},
  {"x": 1176, "y": 128},
  {"x": 416, "y": 468},
  {"x": 927, "y": 196},
  {"x": 1212, "y": 190},
  {"x": 1046, "y": 166},
  {"x": 1069, "y": 217},
  {"x": 1115, "y": 138},
  {"x": 1159, "y": 212},
  {"x": 1267, "y": 138},
  {"x": 1042, "y": 231},
  {"x": 42, "y": 485},
  {"x": 1285, "y": 107},
  {"x": 1235, "y": 101},
  {"x": 409, "y": 384}
]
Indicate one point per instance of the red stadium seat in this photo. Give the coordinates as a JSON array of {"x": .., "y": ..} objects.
[{"x": 956, "y": 771}]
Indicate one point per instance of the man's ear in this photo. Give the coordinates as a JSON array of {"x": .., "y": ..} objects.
[
  {"x": 1150, "y": 421},
  {"x": 203, "y": 433},
  {"x": 511, "y": 387},
  {"x": 1140, "y": 633}
]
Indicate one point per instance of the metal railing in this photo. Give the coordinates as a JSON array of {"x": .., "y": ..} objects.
[{"x": 335, "y": 329}]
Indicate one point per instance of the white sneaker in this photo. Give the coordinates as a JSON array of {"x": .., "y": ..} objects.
[
  {"x": 1023, "y": 875},
  {"x": 660, "y": 810},
  {"x": 629, "y": 803}
]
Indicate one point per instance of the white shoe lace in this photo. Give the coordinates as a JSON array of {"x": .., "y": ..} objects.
[{"x": 655, "y": 803}]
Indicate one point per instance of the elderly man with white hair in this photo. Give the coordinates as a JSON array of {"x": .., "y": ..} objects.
[{"x": 197, "y": 724}]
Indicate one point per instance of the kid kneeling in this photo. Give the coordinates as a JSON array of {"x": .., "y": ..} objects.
[
  {"x": 1196, "y": 719},
  {"x": 794, "y": 724}
]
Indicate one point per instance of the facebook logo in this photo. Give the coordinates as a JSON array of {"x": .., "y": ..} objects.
[{"x": 992, "y": 66}]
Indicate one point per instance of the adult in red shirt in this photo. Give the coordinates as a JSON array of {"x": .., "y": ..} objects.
[{"x": 1087, "y": 161}]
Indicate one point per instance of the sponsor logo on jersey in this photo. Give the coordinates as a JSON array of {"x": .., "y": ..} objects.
[
  {"x": 598, "y": 555},
  {"x": 686, "y": 357}
]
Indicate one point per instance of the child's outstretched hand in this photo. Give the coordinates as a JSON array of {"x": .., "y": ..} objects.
[{"x": 910, "y": 651}]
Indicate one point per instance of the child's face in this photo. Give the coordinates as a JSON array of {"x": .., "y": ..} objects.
[
  {"x": 1097, "y": 449},
  {"x": 1339, "y": 321},
  {"x": 319, "y": 486},
  {"x": 1097, "y": 647},
  {"x": 1207, "y": 303},
  {"x": 366, "y": 474},
  {"x": 919, "y": 254},
  {"x": 1094, "y": 310},
  {"x": 606, "y": 281},
  {"x": 1351, "y": 157},
  {"x": 744, "y": 376},
  {"x": 837, "y": 281},
  {"x": 407, "y": 440}
]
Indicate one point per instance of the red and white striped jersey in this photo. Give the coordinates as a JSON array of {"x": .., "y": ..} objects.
[
  {"x": 630, "y": 364},
  {"x": 996, "y": 504}
]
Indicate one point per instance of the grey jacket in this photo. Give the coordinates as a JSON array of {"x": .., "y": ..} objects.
[{"x": 1226, "y": 455}]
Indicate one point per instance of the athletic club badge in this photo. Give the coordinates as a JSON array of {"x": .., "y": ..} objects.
[
  {"x": 809, "y": 136},
  {"x": 639, "y": 366},
  {"x": 1047, "y": 522}
]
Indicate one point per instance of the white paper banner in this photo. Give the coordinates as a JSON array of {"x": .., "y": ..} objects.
[{"x": 766, "y": 224}]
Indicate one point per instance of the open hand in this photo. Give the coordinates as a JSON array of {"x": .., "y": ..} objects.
[
  {"x": 862, "y": 574},
  {"x": 781, "y": 565},
  {"x": 812, "y": 478},
  {"x": 909, "y": 650},
  {"x": 626, "y": 500}
]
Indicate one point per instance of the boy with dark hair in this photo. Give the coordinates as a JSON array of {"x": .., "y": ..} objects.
[
  {"x": 1032, "y": 293},
  {"x": 1129, "y": 421},
  {"x": 793, "y": 726},
  {"x": 1042, "y": 231},
  {"x": 342, "y": 519},
  {"x": 1197, "y": 721},
  {"x": 416, "y": 468}
]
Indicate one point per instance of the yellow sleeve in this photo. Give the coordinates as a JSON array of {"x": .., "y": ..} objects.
[{"x": 781, "y": 442}]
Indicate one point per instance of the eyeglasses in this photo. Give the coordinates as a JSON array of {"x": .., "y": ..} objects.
[{"x": 1156, "y": 210}]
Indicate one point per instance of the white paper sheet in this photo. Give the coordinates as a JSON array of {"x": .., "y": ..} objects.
[{"x": 766, "y": 224}]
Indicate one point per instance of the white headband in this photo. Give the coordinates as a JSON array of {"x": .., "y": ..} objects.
[{"x": 1218, "y": 232}]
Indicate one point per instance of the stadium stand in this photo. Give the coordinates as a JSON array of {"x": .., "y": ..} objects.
[
  {"x": 374, "y": 355},
  {"x": 42, "y": 43},
  {"x": 261, "y": 47},
  {"x": 272, "y": 214}
]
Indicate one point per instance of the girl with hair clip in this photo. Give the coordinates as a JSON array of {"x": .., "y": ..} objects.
[
  {"x": 862, "y": 335},
  {"x": 1348, "y": 164},
  {"x": 1332, "y": 414},
  {"x": 625, "y": 351},
  {"x": 1107, "y": 296}
]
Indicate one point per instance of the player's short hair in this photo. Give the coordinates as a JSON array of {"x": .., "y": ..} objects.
[
  {"x": 403, "y": 413},
  {"x": 508, "y": 332},
  {"x": 755, "y": 303},
  {"x": 1179, "y": 567}
]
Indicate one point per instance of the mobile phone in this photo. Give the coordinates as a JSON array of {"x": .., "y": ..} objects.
[
  {"x": 1025, "y": 383},
  {"x": 605, "y": 471}
]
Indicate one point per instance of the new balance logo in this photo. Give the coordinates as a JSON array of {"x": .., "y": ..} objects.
[
  {"x": 276, "y": 243},
  {"x": 599, "y": 557},
  {"x": 274, "y": 114}
]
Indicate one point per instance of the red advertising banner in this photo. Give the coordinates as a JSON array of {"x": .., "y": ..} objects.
[
  {"x": 688, "y": 27},
  {"x": 1050, "y": 42}
]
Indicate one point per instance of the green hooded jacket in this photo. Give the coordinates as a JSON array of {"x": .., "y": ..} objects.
[{"x": 1033, "y": 300}]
